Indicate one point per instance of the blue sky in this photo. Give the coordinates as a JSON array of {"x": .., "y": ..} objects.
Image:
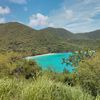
[{"x": 73, "y": 15}]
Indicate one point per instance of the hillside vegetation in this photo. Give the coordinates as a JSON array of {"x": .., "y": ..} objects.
[
  {"x": 19, "y": 37},
  {"x": 91, "y": 35}
]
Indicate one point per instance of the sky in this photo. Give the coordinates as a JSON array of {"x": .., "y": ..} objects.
[{"x": 74, "y": 15}]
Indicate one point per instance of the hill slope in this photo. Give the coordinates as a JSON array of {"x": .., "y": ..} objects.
[
  {"x": 16, "y": 36},
  {"x": 58, "y": 32},
  {"x": 90, "y": 35}
]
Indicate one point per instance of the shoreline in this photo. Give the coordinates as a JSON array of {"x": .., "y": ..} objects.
[
  {"x": 39, "y": 55},
  {"x": 43, "y": 55}
]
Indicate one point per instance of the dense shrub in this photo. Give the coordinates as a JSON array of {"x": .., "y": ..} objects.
[
  {"x": 65, "y": 77},
  {"x": 89, "y": 74},
  {"x": 7, "y": 62},
  {"x": 12, "y": 63}
]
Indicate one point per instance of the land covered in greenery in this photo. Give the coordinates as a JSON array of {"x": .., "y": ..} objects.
[
  {"x": 25, "y": 80},
  {"x": 18, "y": 37}
]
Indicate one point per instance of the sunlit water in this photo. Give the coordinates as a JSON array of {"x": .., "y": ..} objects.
[{"x": 53, "y": 61}]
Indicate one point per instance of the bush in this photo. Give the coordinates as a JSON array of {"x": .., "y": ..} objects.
[
  {"x": 29, "y": 69},
  {"x": 7, "y": 62},
  {"x": 12, "y": 63},
  {"x": 89, "y": 74},
  {"x": 65, "y": 77}
]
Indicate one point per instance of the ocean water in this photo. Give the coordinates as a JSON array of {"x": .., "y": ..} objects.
[{"x": 53, "y": 61}]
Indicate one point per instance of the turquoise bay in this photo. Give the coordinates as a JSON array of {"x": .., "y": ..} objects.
[{"x": 53, "y": 61}]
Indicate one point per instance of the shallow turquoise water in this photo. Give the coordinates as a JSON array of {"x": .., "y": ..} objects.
[{"x": 53, "y": 61}]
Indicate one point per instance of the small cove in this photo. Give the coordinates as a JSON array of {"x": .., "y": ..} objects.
[{"x": 53, "y": 61}]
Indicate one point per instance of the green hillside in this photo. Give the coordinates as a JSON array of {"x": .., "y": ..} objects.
[
  {"x": 65, "y": 34},
  {"x": 16, "y": 36},
  {"x": 90, "y": 35}
]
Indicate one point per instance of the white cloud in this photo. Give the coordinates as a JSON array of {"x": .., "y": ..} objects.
[
  {"x": 4, "y": 10},
  {"x": 89, "y": 1},
  {"x": 38, "y": 20},
  {"x": 2, "y": 20},
  {"x": 78, "y": 16},
  {"x": 63, "y": 13},
  {"x": 19, "y": 1},
  {"x": 69, "y": 14}
]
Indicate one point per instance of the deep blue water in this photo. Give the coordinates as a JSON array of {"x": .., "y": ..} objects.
[{"x": 53, "y": 61}]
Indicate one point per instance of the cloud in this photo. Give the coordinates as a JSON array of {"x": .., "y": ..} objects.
[
  {"x": 69, "y": 14},
  {"x": 38, "y": 20},
  {"x": 77, "y": 16},
  {"x": 89, "y": 1},
  {"x": 2, "y": 20},
  {"x": 19, "y": 1},
  {"x": 4, "y": 10},
  {"x": 74, "y": 15}
]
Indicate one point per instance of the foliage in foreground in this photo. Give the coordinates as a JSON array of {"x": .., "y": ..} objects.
[
  {"x": 53, "y": 86},
  {"x": 87, "y": 65},
  {"x": 89, "y": 74},
  {"x": 13, "y": 64},
  {"x": 40, "y": 89}
]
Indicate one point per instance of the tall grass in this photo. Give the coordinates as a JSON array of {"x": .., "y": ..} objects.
[{"x": 40, "y": 89}]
